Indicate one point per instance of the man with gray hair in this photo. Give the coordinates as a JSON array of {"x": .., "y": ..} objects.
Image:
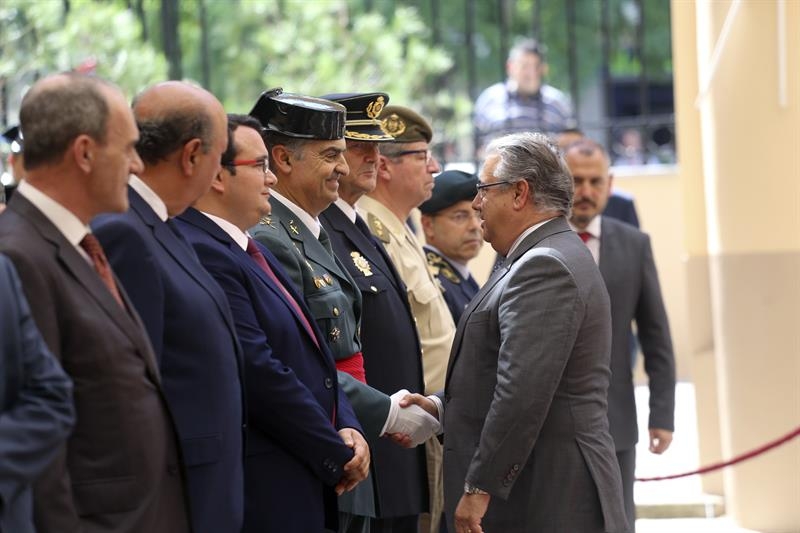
[{"x": 527, "y": 445}]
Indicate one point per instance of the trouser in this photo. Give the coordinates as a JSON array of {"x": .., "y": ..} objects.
[
  {"x": 627, "y": 468},
  {"x": 396, "y": 524},
  {"x": 429, "y": 522}
]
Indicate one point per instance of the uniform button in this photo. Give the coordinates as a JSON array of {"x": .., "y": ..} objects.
[
  {"x": 515, "y": 468},
  {"x": 328, "y": 383},
  {"x": 373, "y": 288},
  {"x": 244, "y": 426},
  {"x": 335, "y": 311}
]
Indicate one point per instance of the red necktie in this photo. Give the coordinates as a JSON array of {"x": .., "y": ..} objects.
[
  {"x": 584, "y": 235},
  {"x": 92, "y": 247},
  {"x": 258, "y": 257}
]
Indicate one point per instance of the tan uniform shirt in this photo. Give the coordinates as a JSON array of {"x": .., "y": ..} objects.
[{"x": 434, "y": 322}]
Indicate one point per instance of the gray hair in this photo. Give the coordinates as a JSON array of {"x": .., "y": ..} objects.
[
  {"x": 53, "y": 115},
  {"x": 293, "y": 144},
  {"x": 534, "y": 158}
]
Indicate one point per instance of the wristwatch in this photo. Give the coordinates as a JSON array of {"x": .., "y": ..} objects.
[{"x": 469, "y": 489}]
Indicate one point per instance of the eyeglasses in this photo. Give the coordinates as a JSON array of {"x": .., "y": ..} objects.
[
  {"x": 481, "y": 187},
  {"x": 427, "y": 152},
  {"x": 263, "y": 164}
]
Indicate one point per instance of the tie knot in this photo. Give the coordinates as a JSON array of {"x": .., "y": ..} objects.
[
  {"x": 252, "y": 247},
  {"x": 584, "y": 235},
  {"x": 91, "y": 245}
]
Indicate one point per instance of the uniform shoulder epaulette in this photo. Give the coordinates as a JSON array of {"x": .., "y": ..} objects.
[
  {"x": 377, "y": 228},
  {"x": 440, "y": 267}
]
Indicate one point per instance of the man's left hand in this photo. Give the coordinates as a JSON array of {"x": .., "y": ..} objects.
[
  {"x": 470, "y": 511},
  {"x": 357, "y": 469},
  {"x": 660, "y": 440}
]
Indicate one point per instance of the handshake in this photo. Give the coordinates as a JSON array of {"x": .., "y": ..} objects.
[{"x": 411, "y": 425}]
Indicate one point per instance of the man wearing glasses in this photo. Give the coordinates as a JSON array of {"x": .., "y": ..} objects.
[
  {"x": 454, "y": 237},
  {"x": 405, "y": 180},
  {"x": 299, "y": 429}
]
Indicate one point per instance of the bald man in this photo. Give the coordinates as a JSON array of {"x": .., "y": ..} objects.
[{"x": 183, "y": 132}]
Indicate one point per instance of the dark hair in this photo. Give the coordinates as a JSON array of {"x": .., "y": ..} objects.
[
  {"x": 273, "y": 138},
  {"x": 162, "y": 135},
  {"x": 534, "y": 158},
  {"x": 586, "y": 147},
  {"x": 231, "y": 151},
  {"x": 52, "y": 116}
]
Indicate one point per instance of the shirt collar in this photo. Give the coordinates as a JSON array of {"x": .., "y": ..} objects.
[
  {"x": 347, "y": 209},
  {"x": 62, "y": 218},
  {"x": 525, "y": 234},
  {"x": 312, "y": 223},
  {"x": 593, "y": 228},
  {"x": 238, "y": 236},
  {"x": 149, "y": 195}
]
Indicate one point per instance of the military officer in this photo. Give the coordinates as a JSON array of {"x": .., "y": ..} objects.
[
  {"x": 453, "y": 235},
  {"x": 405, "y": 180},
  {"x": 389, "y": 340},
  {"x": 305, "y": 139}
]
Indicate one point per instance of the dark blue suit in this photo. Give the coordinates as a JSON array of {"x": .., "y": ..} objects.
[
  {"x": 294, "y": 454},
  {"x": 458, "y": 290},
  {"x": 620, "y": 206},
  {"x": 189, "y": 323},
  {"x": 392, "y": 358},
  {"x": 36, "y": 411}
]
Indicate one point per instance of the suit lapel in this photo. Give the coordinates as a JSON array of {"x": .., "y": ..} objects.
[
  {"x": 79, "y": 269},
  {"x": 608, "y": 243}
]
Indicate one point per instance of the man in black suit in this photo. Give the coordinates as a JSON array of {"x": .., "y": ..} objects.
[
  {"x": 36, "y": 412},
  {"x": 389, "y": 340},
  {"x": 626, "y": 263},
  {"x": 119, "y": 470},
  {"x": 183, "y": 134}
]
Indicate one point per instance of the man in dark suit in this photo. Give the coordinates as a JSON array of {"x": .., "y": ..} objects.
[
  {"x": 626, "y": 263},
  {"x": 389, "y": 340},
  {"x": 453, "y": 237},
  {"x": 36, "y": 412},
  {"x": 119, "y": 470},
  {"x": 183, "y": 134},
  {"x": 527, "y": 445},
  {"x": 305, "y": 139},
  {"x": 295, "y": 457}
]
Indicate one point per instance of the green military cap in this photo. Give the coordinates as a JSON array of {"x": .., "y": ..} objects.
[
  {"x": 405, "y": 125},
  {"x": 449, "y": 188}
]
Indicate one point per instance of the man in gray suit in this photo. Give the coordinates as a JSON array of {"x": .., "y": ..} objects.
[
  {"x": 526, "y": 445},
  {"x": 626, "y": 263}
]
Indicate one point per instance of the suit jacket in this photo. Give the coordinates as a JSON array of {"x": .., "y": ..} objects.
[
  {"x": 119, "y": 470},
  {"x": 294, "y": 454},
  {"x": 332, "y": 297},
  {"x": 620, "y": 206},
  {"x": 392, "y": 357},
  {"x": 458, "y": 291},
  {"x": 189, "y": 323},
  {"x": 526, "y": 415},
  {"x": 629, "y": 272},
  {"x": 36, "y": 412}
]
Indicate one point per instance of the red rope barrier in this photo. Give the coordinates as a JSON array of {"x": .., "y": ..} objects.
[{"x": 738, "y": 459}]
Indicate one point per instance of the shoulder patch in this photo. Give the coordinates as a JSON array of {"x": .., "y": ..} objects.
[{"x": 377, "y": 228}]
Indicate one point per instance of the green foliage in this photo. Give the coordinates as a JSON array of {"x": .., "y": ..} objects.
[{"x": 38, "y": 39}]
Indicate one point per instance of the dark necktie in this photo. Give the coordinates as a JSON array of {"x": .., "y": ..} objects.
[
  {"x": 584, "y": 235},
  {"x": 325, "y": 240},
  {"x": 92, "y": 247},
  {"x": 261, "y": 261}
]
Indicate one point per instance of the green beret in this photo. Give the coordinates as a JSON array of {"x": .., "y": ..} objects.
[
  {"x": 405, "y": 125},
  {"x": 449, "y": 188}
]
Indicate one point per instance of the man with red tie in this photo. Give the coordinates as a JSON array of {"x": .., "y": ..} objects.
[
  {"x": 625, "y": 259},
  {"x": 303, "y": 438},
  {"x": 118, "y": 471}
]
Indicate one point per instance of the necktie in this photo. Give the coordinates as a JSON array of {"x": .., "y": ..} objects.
[
  {"x": 261, "y": 261},
  {"x": 325, "y": 240},
  {"x": 584, "y": 235},
  {"x": 92, "y": 247}
]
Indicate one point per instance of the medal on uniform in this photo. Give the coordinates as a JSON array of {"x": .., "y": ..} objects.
[
  {"x": 335, "y": 334},
  {"x": 328, "y": 279},
  {"x": 361, "y": 263}
]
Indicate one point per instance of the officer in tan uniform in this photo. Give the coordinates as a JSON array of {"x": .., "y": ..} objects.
[{"x": 405, "y": 180}]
